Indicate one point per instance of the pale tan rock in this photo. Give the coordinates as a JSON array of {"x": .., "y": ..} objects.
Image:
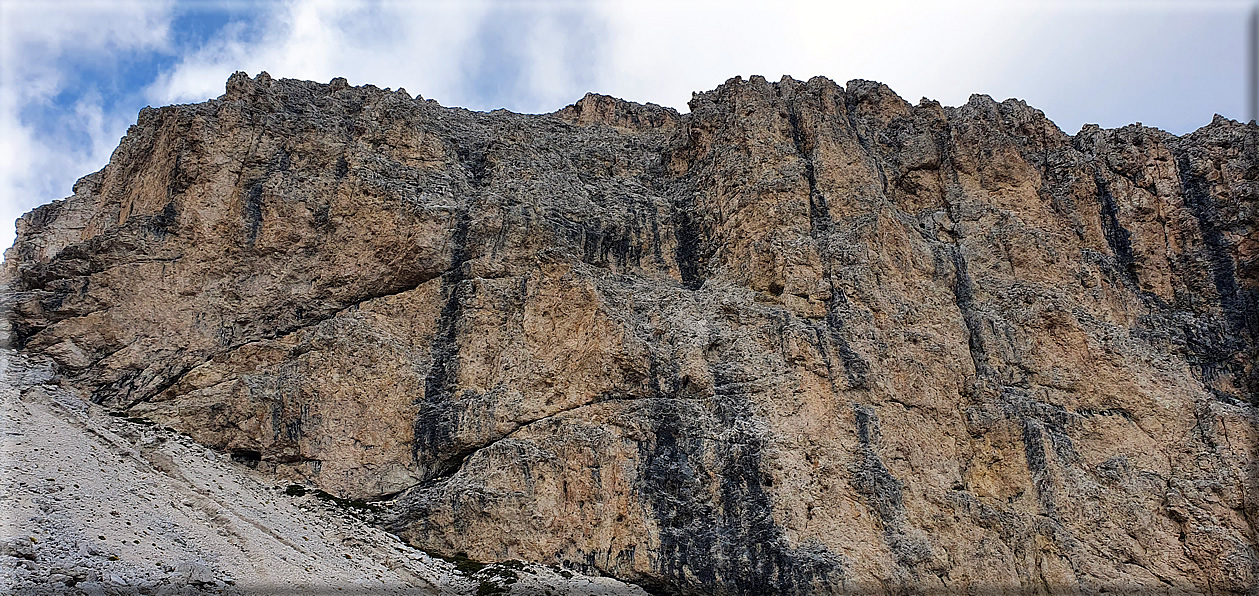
[
  {"x": 107, "y": 504},
  {"x": 803, "y": 339}
]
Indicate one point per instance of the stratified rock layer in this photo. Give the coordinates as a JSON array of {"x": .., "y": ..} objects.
[{"x": 804, "y": 339}]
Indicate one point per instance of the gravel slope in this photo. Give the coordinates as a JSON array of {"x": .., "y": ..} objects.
[{"x": 96, "y": 504}]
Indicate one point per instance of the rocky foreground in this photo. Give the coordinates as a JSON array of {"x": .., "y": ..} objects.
[
  {"x": 101, "y": 504},
  {"x": 804, "y": 339}
]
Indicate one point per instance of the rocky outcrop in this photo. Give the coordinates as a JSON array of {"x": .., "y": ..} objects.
[
  {"x": 803, "y": 339},
  {"x": 116, "y": 505}
]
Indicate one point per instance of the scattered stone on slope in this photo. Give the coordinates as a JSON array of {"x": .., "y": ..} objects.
[{"x": 97, "y": 504}]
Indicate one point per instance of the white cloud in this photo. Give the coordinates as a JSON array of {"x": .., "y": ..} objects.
[
  {"x": 528, "y": 56},
  {"x": 387, "y": 44},
  {"x": 39, "y": 160},
  {"x": 427, "y": 47},
  {"x": 913, "y": 46},
  {"x": 1110, "y": 62},
  {"x": 1166, "y": 63}
]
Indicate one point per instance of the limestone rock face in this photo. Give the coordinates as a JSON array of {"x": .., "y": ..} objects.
[{"x": 804, "y": 339}]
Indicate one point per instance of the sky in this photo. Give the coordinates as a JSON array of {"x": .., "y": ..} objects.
[{"x": 74, "y": 74}]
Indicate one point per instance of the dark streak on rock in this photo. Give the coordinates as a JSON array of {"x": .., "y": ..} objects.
[
  {"x": 882, "y": 492},
  {"x": 435, "y": 448},
  {"x": 720, "y": 539},
  {"x": 1117, "y": 237},
  {"x": 605, "y": 246},
  {"x": 162, "y": 225},
  {"x": 251, "y": 212},
  {"x": 1034, "y": 448},
  {"x": 964, "y": 297},
  {"x": 687, "y": 232},
  {"x": 436, "y": 422},
  {"x": 856, "y": 369},
  {"x": 1215, "y": 352}
]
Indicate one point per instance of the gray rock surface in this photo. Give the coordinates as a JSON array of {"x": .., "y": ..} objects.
[
  {"x": 806, "y": 338},
  {"x": 100, "y": 504}
]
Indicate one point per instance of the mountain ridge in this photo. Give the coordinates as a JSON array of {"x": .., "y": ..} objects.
[{"x": 804, "y": 338}]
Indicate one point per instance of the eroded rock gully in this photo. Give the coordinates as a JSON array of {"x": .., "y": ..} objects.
[{"x": 804, "y": 339}]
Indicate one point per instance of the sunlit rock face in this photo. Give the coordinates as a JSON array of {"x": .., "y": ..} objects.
[{"x": 805, "y": 339}]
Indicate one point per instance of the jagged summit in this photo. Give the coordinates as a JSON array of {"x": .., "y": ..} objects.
[{"x": 241, "y": 86}]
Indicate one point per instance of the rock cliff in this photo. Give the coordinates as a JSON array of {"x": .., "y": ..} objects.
[
  {"x": 111, "y": 505},
  {"x": 804, "y": 339}
]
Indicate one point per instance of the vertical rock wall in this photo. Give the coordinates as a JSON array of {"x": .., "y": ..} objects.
[{"x": 803, "y": 339}]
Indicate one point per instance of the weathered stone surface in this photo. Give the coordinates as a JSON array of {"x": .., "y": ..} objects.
[
  {"x": 101, "y": 504},
  {"x": 803, "y": 339}
]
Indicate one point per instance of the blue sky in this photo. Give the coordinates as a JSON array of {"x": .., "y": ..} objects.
[{"x": 75, "y": 73}]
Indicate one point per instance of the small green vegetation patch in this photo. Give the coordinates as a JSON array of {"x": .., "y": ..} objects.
[
  {"x": 516, "y": 564},
  {"x": 497, "y": 577},
  {"x": 350, "y": 503},
  {"x": 461, "y": 562},
  {"x": 133, "y": 419},
  {"x": 297, "y": 490},
  {"x": 490, "y": 589}
]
